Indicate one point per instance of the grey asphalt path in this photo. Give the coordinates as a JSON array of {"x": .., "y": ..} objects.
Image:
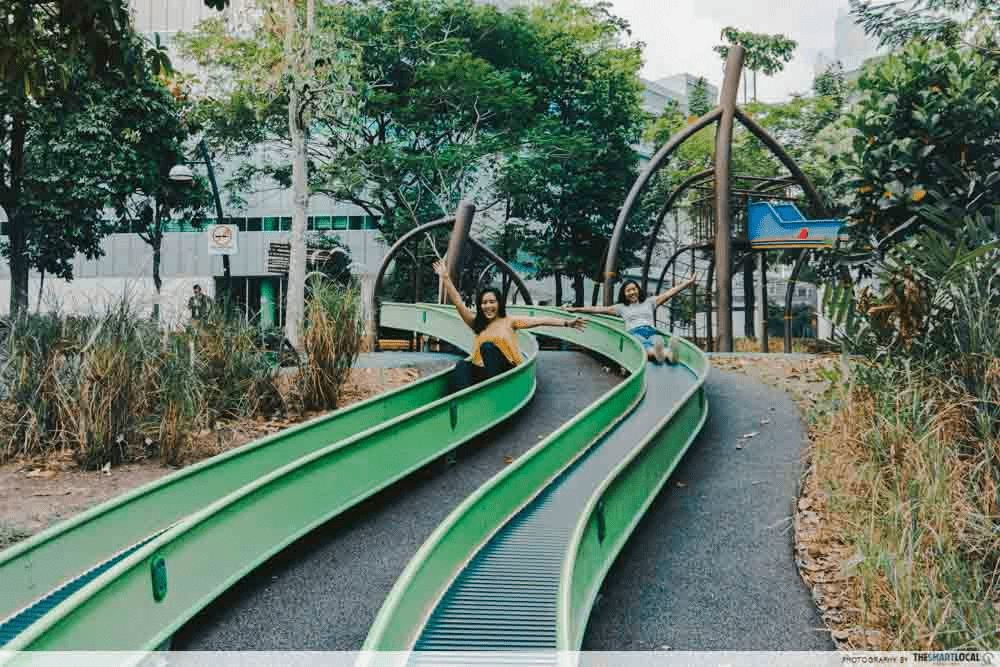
[
  {"x": 322, "y": 593},
  {"x": 710, "y": 567}
]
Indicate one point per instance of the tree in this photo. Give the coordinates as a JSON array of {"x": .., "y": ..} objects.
[
  {"x": 764, "y": 53},
  {"x": 698, "y": 102},
  {"x": 972, "y": 23},
  {"x": 579, "y": 161},
  {"x": 924, "y": 145},
  {"x": 54, "y": 140},
  {"x": 279, "y": 82}
]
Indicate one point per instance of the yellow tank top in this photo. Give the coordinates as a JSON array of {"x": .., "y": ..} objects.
[{"x": 507, "y": 347}]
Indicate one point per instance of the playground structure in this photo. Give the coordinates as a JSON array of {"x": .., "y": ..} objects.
[
  {"x": 720, "y": 241},
  {"x": 533, "y": 543}
]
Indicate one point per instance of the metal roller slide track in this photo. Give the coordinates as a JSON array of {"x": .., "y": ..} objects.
[
  {"x": 528, "y": 586},
  {"x": 239, "y": 509}
]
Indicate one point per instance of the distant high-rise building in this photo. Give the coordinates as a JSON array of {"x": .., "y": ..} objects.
[{"x": 851, "y": 46}]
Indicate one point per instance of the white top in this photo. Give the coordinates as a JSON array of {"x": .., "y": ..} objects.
[{"x": 637, "y": 314}]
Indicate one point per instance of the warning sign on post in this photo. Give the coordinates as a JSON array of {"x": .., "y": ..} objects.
[{"x": 222, "y": 239}]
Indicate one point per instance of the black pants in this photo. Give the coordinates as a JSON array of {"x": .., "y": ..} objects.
[{"x": 467, "y": 373}]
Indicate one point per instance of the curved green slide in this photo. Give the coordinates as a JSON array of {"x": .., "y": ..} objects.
[{"x": 202, "y": 528}]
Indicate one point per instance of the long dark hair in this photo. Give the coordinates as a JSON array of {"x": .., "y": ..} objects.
[
  {"x": 481, "y": 322},
  {"x": 621, "y": 291}
]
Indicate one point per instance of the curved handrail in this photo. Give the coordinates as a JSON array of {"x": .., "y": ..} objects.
[
  {"x": 454, "y": 542},
  {"x": 205, "y": 553}
]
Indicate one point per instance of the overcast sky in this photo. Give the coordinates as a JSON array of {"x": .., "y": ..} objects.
[{"x": 679, "y": 36}]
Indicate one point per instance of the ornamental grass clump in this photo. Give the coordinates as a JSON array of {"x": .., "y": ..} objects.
[
  {"x": 908, "y": 488},
  {"x": 331, "y": 339},
  {"x": 113, "y": 387}
]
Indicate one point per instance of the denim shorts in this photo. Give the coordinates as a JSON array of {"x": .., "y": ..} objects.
[{"x": 645, "y": 334}]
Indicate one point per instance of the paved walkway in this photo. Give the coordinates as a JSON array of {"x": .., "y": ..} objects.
[{"x": 710, "y": 567}]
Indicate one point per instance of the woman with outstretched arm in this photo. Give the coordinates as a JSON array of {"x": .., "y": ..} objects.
[
  {"x": 639, "y": 314},
  {"x": 495, "y": 348}
]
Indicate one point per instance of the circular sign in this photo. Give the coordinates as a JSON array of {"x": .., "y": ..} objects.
[{"x": 222, "y": 236}]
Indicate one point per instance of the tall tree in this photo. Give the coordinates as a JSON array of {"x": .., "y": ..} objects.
[
  {"x": 574, "y": 173},
  {"x": 764, "y": 53},
  {"x": 53, "y": 57},
  {"x": 698, "y": 102},
  {"x": 973, "y": 23},
  {"x": 923, "y": 146},
  {"x": 281, "y": 80}
]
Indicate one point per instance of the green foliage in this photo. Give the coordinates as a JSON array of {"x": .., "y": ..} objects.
[
  {"x": 952, "y": 22},
  {"x": 579, "y": 160},
  {"x": 79, "y": 98},
  {"x": 698, "y": 102},
  {"x": 331, "y": 339},
  {"x": 764, "y": 53},
  {"x": 923, "y": 151}
]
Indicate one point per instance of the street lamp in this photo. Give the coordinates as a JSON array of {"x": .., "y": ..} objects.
[{"x": 181, "y": 173}]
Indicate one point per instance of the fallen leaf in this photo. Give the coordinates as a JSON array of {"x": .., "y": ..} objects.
[
  {"x": 508, "y": 459},
  {"x": 682, "y": 484},
  {"x": 739, "y": 445},
  {"x": 765, "y": 421},
  {"x": 750, "y": 435}
]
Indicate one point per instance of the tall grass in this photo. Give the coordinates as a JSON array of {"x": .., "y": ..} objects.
[
  {"x": 909, "y": 473},
  {"x": 113, "y": 387},
  {"x": 331, "y": 338}
]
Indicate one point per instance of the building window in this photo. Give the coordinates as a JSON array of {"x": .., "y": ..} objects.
[
  {"x": 356, "y": 222},
  {"x": 255, "y": 225},
  {"x": 340, "y": 222},
  {"x": 323, "y": 223},
  {"x": 270, "y": 224},
  {"x": 286, "y": 224}
]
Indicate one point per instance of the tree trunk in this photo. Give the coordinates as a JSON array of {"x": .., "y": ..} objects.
[
  {"x": 596, "y": 293},
  {"x": 578, "y": 288},
  {"x": 558, "y": 277},
  {"x": 41, "y": 286},
  {"x": 296, "y": 128},
  {"x": 17, "y": 223}
]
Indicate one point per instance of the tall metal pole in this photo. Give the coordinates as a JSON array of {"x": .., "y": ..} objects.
[
  {"x": 457, "y": 243},
  {"x": 203, "y": 148},
  {"x": 723, "y": 154}
]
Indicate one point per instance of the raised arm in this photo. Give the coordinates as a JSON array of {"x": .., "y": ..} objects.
[
  {"x": 672, "y": 292},
  {"x": 601, "y": 310},
  {"x": 453, "y": 294},
  {"x": 529, "y": 322}
]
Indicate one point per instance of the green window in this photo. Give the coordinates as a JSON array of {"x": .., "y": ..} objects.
[
  {"x": 254, "y": 224},
  {"x": 286, "y": 224},
  {"x": 340, "y": 222},
  {"x": 323, "y": 222},
  {"x": 271, "y": 224},
  {"x": 356, "y": 222}
]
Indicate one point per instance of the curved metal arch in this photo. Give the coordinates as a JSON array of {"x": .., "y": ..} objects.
[
  {"x": 757, "y": 130},
  {"x": 678, "y": 191},
  {"x": 611, "y": 261},
  {"x": 673, "y": 258},
  {"x": 442, "y": 222}
]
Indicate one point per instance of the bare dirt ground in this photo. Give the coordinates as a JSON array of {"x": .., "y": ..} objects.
[{"x": 35, "y": 494}]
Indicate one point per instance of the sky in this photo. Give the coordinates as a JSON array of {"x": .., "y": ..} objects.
[{"x": 679, "y": 36}]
